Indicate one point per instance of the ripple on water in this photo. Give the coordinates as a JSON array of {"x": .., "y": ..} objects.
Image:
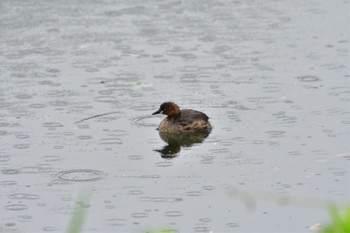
[
  {"x": 336, "y": 91},
  {"x": 345, "y": 155},
  {"x": 23, "y": 96},
  {"x": 24, "y": 196},
  {"x": 30, "y": 170},
  {"x": 106, "y": 99},
  {"x": 17, "y": 75},
  {"x": 58, "y": 182},
  {"x": 164, "y": 77},
  {"x": 207, "y": 159},
  {"x": 4, "y": 158},
  {"x": 164, "y": 164},
  {"x": 135, "y": 192},
  {"x": 173, "y": 213},
  {"x": 106, "y": 92},
  {"x": 51, "y": 158},
  {"x": 308, "y": 78},
  {"x": 81, "y": 175},
  {"x": 139, "y": 215},
  {"x": 202, "y": 229},
  {"x": 16, "y": 207},
  {"x": 24, "y": 217},
  {"x": 83, "y": 126},
  {"x": 208, "y": 188},
  {"x": 59, "y": 103},
  {"x": 91, "y": 69},
  {"x": 135, "y": 157},
  {"x": 194, "y": 193},
  {"x": 110, "y": 206},
  {"x": 276, "y": 133},
  {"x": 117, "y": 222},
  {"x": 22, "y": 136},
  {"x": 144, "y": 176},
  {"x": 52, "y": 125},
  {"x": 295, "y": 152},
  {"x": 284, "y": 119},
  {"x": 50, "y": 229},
  {"x": 8, "y": 182},
  {"x": 111, "y": 141},
  {"x": 53, "y": 70},
  {"x": 161, "y": 199},
  {"x": 2, "y": 132},
  {"x": 37, "y": 105},
  {"x": 232, "y": 224},
  {"x": 21, "y": 146},
  {"x": 145, "y": 121},
  {"x": 205, "y": 219},
  {"x": 10, "y": 224},
  {"x": 10, "y": 171},
  {"x": 84, "y": 137}
]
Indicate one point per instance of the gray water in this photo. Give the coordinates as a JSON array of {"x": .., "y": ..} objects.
[{"x": 272, "y": 75}]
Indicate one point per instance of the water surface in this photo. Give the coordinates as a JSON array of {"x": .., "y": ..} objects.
[{"x": 79, "y": 81}]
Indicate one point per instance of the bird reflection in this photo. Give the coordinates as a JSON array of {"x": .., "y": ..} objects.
[{"x": 177, "y": 140}]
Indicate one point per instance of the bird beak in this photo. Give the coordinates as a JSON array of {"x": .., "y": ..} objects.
[{"x": 157, "y": 112}]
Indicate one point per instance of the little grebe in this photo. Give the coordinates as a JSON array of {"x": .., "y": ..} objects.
[{"x": 182, "y": 121}]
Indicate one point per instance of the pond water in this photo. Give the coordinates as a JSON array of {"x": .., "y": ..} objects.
[{"x": 80, "y": 79}]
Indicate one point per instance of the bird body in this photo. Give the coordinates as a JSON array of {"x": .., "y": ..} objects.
[{"x": 182, "y": 121}]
